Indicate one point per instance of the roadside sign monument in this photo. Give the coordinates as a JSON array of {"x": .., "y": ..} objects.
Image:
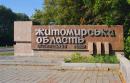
[{"x": 62, "y": 40}]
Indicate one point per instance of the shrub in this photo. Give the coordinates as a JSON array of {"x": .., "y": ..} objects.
[{"x": 77, "y": 58}]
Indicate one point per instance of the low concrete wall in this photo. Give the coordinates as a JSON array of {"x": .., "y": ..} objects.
[
  {"x": 90, "y": 66},
  {"x": 58, "y": 54},
  {"x": 23, "y": 49},
  {"x": 124, "y": 66}
]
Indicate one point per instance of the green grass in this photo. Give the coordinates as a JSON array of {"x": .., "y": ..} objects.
[
  {"x": 77, "y": 58},
  {"x": 6, "y": 53}
]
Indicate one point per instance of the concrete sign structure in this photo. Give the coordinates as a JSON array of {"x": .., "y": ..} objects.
[{"x": 62, "y": 40}]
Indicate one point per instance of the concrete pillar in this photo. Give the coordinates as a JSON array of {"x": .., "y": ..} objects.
[
  {"x": 22, "y": 37},
  {"x": 106, "y": 46},
  {"x": 90, "y": 47},
  {"x": 98, "y": 45}
]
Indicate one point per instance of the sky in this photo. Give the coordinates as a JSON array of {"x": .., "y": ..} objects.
[{"x": 23, "y": 6}]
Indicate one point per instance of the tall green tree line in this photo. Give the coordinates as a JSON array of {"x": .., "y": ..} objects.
[{"x": 7, "y": 18}]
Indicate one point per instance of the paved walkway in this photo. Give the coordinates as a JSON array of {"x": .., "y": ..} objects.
[{"x": 17, "y": 74}]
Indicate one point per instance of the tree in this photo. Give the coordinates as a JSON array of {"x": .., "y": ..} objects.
[
  {"x": 7, "y": 18},
  {"x": 75, "y": 11},
  {"x": 21, "y": 17},
  {"x": 60, "y": 12}
]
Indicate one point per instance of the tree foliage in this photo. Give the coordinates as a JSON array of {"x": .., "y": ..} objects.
[
  {"x": 7, "y": 18},
  {"x": 76, "y": 11},
  {"x": 60, "y": 12}
]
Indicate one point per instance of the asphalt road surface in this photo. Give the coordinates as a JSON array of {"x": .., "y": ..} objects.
[{"x": 5, "y": 49}]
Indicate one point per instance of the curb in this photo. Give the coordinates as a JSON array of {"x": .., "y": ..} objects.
[
  {"x": 89, "y": 66},
  {"x": 124, "y": 67}
]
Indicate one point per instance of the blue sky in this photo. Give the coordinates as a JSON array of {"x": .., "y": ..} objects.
[{"x": 23, "y": 6}]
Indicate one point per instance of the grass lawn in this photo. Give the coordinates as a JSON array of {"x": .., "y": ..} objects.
[
  {"x": 77, "y": 58},
  {"x": 6, "y": 53}
]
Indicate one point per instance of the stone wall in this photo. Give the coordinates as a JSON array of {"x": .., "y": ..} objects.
[
  {"x": 22, "y": 37},
  {"x": 58, "y": 54},
  {"x": 96, "y": 45},
  {"x": 124, "y": 66},
  {"x": 23, "y": 49},
  {"x": 115, "y": 41}
]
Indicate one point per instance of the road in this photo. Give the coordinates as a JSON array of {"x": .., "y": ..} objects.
[{"x": 4, "y": 49}]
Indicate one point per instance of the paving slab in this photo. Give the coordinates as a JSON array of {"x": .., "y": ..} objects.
[
  {"x": 16, "y": 74},
  {"x": 40, "y": 70}
]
